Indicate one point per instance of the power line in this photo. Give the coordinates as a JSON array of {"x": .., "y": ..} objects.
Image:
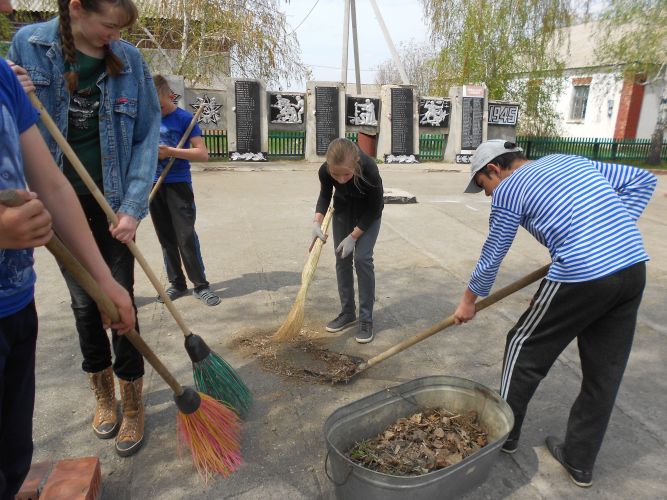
[{"x": 304, "y": 19}]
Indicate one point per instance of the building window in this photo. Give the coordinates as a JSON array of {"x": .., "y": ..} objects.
[{"x": 579, "y": 99}]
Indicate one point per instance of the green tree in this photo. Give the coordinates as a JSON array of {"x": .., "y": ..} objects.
[
  {"x": 634, "y": 34},
  {"x": 204, "y": 39},
  {"x": 510, "y": 46}
]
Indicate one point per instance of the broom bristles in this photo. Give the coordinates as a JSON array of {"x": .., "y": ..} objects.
[
  {"x": 293, "y": 323},
  {"x": 212, "y": 433},
  {"x": 214, "y": 377}
]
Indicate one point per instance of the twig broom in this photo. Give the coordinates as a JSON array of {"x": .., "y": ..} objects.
[
  {"x": 294, "y": 321},
  {"x": 212, "y": 374},
  {"x": 209, "y": 428}
]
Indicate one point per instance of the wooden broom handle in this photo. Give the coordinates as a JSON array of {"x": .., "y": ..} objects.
[
  {"x": 101, "y": 200},
  {"x": 180, "y": 144},
  {"x": 449, "y": 321},
  {"x": 10, "y": 198}
]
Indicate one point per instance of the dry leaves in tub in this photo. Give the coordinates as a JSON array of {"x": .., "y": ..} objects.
[{"x": 421, "y": 443}]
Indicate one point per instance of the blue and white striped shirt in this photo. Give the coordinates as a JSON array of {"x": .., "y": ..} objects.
[{"x": 583, "y": 211}]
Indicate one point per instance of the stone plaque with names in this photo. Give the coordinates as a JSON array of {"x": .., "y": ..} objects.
[
  {"x": 326, "y": 118},
  {"x": 503, "y": 114},
  {"x": 472, "y": 123},
  {"x": 248, "y": 125},
  {"x": 402, "y": 111}
]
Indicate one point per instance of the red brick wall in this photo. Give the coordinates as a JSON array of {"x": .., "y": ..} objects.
[{"x": 629, "y": 108}]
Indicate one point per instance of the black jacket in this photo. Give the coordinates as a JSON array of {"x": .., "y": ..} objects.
[{"x": 363, "y": 203}]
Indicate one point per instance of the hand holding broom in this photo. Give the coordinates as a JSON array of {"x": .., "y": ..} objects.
[{"x": 210, "y": 429}]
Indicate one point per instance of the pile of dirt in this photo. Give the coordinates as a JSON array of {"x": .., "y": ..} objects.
[
  {"x": 301, "y": 358},
  {"x": 424, "y": 442}
]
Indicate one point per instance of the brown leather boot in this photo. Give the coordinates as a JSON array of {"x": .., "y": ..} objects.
[
  {"x": 131, "y": 434},
  {"x": 105, "y": 420}
]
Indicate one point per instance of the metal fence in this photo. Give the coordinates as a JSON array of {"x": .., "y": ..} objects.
[
  {"x": 216, "y": 143},
  {"x": 593, "y": 148},
  {"x": 432, "y": 146},
  {"x": 291, "y": 144},
  {"x": 353, "y": 136}
]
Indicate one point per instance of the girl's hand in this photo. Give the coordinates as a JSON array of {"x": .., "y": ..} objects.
[
  {"x": 123, "y": 302},
  {"x": 23, "y": 77},
  {"x": 346, "y": 247},
  {"x": 126, "y": 228}
]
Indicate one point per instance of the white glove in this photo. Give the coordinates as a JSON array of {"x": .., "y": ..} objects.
[
  {"x": 317, "y": 231},
  {"x": 346, "y": 247}
]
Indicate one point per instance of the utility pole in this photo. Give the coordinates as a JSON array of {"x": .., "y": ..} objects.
[
  {"x": 390, "y": 44},
  {"x": 346, "y": 39},
  {"x": 355, "y": 45}
]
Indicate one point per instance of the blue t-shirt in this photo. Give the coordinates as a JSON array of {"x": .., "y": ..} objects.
[
  {"x": 172, "y": 128},
  {"x": 17, "y": 276}
]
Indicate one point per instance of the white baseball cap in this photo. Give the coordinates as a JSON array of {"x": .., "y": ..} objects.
[{"x": 484, "y": 154}]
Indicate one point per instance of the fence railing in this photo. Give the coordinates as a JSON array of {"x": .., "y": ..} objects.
[
  {"x": 290, "y": 144},
  {"x": 353, "y": 136},
  {"x": 216, "y": 143},
  {"x": 432, "y": 146},
  {"x": 593, "y": 148}
]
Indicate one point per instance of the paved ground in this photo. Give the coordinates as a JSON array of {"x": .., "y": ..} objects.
[{"x": 254, "y": 226}]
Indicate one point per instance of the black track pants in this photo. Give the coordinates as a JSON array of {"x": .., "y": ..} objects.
[{"x": 601, "y": 314}]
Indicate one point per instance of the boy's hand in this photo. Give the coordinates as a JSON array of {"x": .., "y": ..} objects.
[
  {"x": 27, "y": 226},
  {"x": 126, "y": 228},
  {"x": 23, "y": 77},
  {"x": 164, "y": 152}
]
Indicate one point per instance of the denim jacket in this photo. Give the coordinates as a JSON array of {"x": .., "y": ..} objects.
[{"x": 129, "y": 113}]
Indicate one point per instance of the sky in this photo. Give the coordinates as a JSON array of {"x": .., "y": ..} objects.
[{"x": 321, "y": 34}]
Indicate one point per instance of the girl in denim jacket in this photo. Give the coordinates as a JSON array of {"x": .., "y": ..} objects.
[{"x": 92, "y": 84}]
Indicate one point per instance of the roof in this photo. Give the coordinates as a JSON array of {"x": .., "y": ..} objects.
[{"x": 166, "y": 9}]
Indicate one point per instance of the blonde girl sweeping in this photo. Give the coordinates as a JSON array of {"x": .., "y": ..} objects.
[{"x": 358, "y": 203}]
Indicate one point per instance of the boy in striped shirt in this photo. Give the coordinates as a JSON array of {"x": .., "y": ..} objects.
[{"x": 585, "y": 212}]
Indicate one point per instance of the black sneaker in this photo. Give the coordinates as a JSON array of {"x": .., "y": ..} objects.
[
  {"x": 365, "y": 333},
  {"x": 173, "y": 293},
  {"x": 579, "y": 477},
  {"x": 342, "y": 321},
  {"x": 207, "y": 296},
  {"x": 510, "y": 446}
]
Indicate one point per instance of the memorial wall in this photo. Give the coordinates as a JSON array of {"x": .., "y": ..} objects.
[{"x": 395, "y": 117}]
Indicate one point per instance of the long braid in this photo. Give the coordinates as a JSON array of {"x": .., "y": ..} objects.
[
  {"x": 69, "y": 49},
  {"x": 114, "y": 64}
]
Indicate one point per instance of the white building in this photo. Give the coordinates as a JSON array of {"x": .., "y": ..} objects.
[{"x": 596, "y": 101}]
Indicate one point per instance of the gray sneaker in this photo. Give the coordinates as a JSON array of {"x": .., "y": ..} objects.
[
  {"x": 342, "y": 321},
  {"x": 365, "y": 333}
]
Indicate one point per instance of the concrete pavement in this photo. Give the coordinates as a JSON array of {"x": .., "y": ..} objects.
[{"x": 254, "y": 227}]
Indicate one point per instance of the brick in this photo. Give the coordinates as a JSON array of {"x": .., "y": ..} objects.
[
  {"x": 34, "y": 482},
  {"x": 74, "y": 479}
]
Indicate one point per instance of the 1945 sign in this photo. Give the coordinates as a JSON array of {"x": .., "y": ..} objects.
[{"x": 503, "y": 114}]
